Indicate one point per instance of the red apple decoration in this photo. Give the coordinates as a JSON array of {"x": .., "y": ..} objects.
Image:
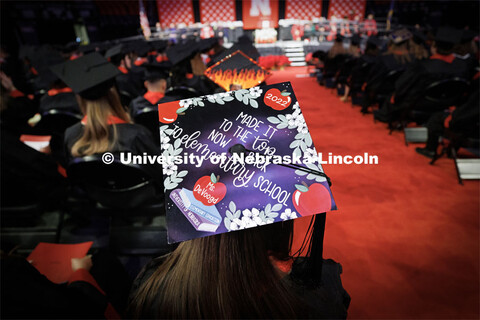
[
  {"x": 277, "y": 100},
  {"x": 311, "y": 199},
  {"x": 169, "y": 111},
  {"x": 208, "y": 190}
]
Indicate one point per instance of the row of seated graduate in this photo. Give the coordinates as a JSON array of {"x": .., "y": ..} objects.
[
  {"x": 74, "y": 94},
  {"x": 404, "y": 75}
]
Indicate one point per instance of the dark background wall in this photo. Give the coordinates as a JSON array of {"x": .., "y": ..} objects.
[{"x": 37, "y": 22}]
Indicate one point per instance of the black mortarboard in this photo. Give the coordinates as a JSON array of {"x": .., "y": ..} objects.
[
  {"x": 355, "y": 39},
  {"x": 114, "y": 51},
  {"x": 88, "y": 48},
  {"x": 156, "y": 71},
  {"x": 401, "y": 35},
  {"x": 140, "y": 47},
  {"x": 159, "y": 45},
  {"x": 90, "y": 76},
  {"x": 44, "y": 58},
  {"x": 339, "y": 38},
  {"x": 182, "y": 51},
  {"x": 206, "y": 44},
  {"x": 448, "y": 35}
]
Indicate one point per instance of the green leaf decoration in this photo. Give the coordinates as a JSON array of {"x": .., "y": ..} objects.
[
  {"x": 213, "y": 178},
  {"x": 301, "y": 188},
  {"x": 286, "y": 94},
  {"x": 181, "y": 110}
]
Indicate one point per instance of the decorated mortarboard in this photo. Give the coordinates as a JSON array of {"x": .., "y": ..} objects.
[
  {"x": 182, "y": 51},
  {"x": 237, "y": 69},
  {"x": 90, "y": 76},
  {"x": 401, "y": 35},
  {"x": 156, "y": 71},
  {"x": 239, "y": 189},
  {"x": 246, "y": 47}
]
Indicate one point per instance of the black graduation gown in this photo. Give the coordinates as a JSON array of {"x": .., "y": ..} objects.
[
  {"x": 126, "y": 88},
  {"x": 411, "y": 84},
  {"x": 64, "y": 101},
  {"x": 149, "y": 119},
  {"x": 130, "y": 138},
  {"x": 384, "y": 64},
  {"x": 360, "y": 71},
  {"x": 16, "y": 114}
]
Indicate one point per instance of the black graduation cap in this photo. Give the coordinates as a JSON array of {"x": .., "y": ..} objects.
[
  {"x": 90, "y": 76},
  {"x": 159, "y": 45},
  {"x": 182, "y": 51},
  {"x": 157, "y": 71},
  {"x": 246, "y": 47},
  {"x": 141, "y": 47},
  {"x": 44, "y": 58},
  {"x": 339, "y": 38},
  {"x": 114, "y": 51},
  {"x": 448, "y": 35},
  {"x": 355, "y": 39},
  {"x": 400, "y": 35},
  {"x": 206, "y": 44},
  {"x": 88, "y": 48}
]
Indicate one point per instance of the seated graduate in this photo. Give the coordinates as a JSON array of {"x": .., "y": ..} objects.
[
  {"x": 418, "y": 45},
  {"x": 188, "y": 68},
  {"x": 106, "y": 126},
  {"x": 412, "y": 84},
  {"x": 335, "y": 57},
  {"x": 361, "y": 68},
  {"x": 156, "y": 76},
  {"x": 120, "y": 57},
  {"x": 396, "y": 58},
  {"x": 462, "y": 122},
  {"x": 236, "y": 275},
  {"x": 467, "y": 49}
]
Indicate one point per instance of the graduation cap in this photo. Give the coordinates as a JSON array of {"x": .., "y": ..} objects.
[
  {"x": 448, "y": 35},
  {"x": 339, "y": 38},
  {"x": 90, "y": 76},
  {"x": 246, "y": 47},
  {"x": 237, "y": 69},
  {"x": 401, "y": 35},
  {"x": 206, "y": 44},
  {"x": 44, "y": 58},
  {"x": 182, "y": 51},
  {"x": 88, "y": 48},
  {"x": 140, "y": 47},
  {"x": 159, "y": 45},
  {"x": 156, "y": 71},
  {"x": 223, "y": 196},
  {"x": 115, "y": 51}
]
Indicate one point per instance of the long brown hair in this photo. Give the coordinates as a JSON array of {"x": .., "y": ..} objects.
[
  {"x": 96, "y": 134},
  {"x": 336, "y": 49},
  {"x": 222, "y": 276},
  {"x": 400, "y": 52}
]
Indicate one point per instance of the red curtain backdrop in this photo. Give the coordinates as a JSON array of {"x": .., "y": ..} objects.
[
  {"x": 343, "y": 8},
  {"x": 175, "y": 11},
  {"x": 303, "y": 9},
  {"x": 256, "y": 12},
  {"x": 216, "y": 11}
]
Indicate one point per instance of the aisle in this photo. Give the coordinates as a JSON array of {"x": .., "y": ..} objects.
[{"x": 406, "y": 233}]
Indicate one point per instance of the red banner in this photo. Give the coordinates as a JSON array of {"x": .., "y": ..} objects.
[
  {"x": 303, "y": 9},
  {"x": 349, "y": 9},
  {"x": 175, "y": 11},
  {"x": 217, "y": 11},
  {"x": 258, "y": 14}
]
